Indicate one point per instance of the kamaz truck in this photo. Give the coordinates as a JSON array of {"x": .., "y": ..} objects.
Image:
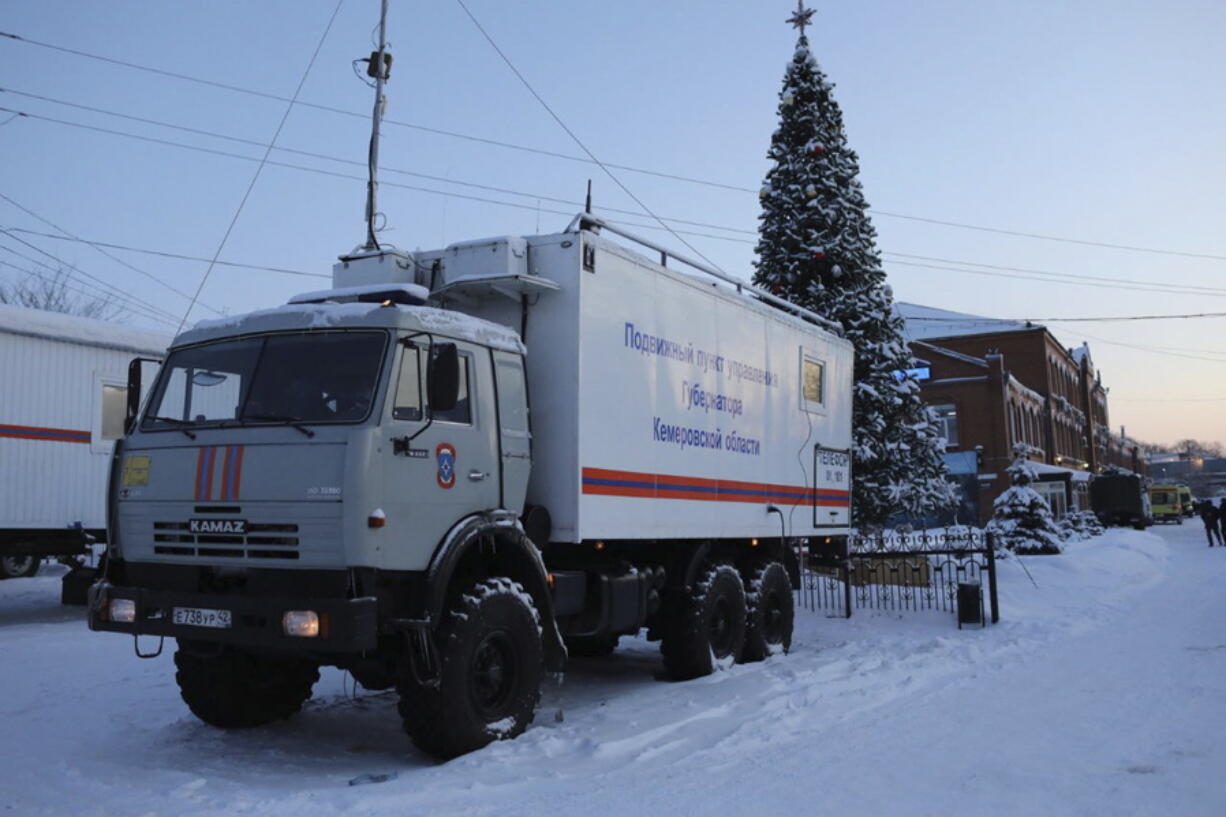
[{"x": 456, "y": 467}]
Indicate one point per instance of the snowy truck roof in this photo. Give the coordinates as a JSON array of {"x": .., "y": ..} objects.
[
  {"x": 317, "y": 316},
  {"x": 39, "y": 323}
]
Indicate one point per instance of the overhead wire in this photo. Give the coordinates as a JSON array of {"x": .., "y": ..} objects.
[
  {"x": 996, "y": 271},
  {"x": 121, "y": 261},
  {"x": 96, "y": 290},
  {"x": 570, "y": 157},
  {"x": 119, "y": 305},
  {"x": 339, "y": 159},
  {"x": 260, "y": 167},
  {"x": 558, "y": 119},
  {"x": 164, "y": 254},
  {"x": 106, "y": 288}
]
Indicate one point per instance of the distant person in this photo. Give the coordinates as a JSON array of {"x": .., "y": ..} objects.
[
  {"x": 1221, "y": 517},
  {"x": 1209, "y": 515}
]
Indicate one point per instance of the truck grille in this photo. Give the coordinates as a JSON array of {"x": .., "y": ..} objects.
[{"x": 262, "y": 540}]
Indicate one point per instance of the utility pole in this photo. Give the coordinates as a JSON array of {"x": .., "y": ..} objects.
[{"x": 379, "y": 66}]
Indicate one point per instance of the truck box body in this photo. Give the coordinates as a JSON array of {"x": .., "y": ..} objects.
[
  {"x": 63, "y": 403},
  {"x": 1120, "y": 499},
  {"x": 663, "y": 406}
]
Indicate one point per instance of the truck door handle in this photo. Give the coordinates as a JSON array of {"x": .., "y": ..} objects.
[{"x": 477, "y": 476}]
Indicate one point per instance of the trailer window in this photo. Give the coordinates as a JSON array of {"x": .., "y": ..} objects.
[
  {"x": 812, "y": 383},
  {"x": 114, "y": 411},
  {"x": 408, "y": 387}
]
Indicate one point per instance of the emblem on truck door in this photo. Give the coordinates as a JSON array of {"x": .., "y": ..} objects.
[{"x": 445, "y": 454}]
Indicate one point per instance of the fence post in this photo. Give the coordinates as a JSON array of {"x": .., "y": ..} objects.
[
  {"x": 846, "y": 586},
  {"x": 995, "y": 605}
]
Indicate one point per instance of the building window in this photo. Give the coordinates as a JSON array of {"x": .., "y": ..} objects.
[{"x": 946, "y": 418}]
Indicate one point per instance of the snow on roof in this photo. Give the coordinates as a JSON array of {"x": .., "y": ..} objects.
[
  {"x": 976, "y": 361},
  {"x": 1079, "y": 354},
  {"x": 415, "y": 292},
  {"x": 1074, "y": 474},
  {"x": 39, "y": 323},
  {"x": 324, "y": 315},
  {"x": 922, "y": 322}
]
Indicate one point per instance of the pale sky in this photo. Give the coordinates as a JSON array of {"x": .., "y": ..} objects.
[{"x": 1100, "y": 121}]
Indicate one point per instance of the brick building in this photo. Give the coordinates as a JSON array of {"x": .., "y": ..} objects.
[{"x": 995, "y": 383}]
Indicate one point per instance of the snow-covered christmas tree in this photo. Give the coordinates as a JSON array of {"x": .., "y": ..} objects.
[
  {"x": 817, "y": 248},
  {"x": 1021, "y": 519}
]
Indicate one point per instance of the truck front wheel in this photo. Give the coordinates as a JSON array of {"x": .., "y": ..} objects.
[
  {"x": 490, "y": 676},
  {"x": 236, "y": 690},
  {"x": 18, "y": 567},
  {"x": 770, "y": 612},
  {"x": 705, "y": 628}
]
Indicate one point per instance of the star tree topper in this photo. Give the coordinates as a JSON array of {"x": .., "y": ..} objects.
[{"x": 802, "y": 17}]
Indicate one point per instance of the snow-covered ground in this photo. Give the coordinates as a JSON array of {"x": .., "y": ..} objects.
[{"x": 1101, "y": 692}]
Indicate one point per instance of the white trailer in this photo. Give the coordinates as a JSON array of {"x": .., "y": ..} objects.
[
  {"x": 457, "y": 466},
  {"x": 62, "y": 406},
  {"x": 664, "y": 405}
]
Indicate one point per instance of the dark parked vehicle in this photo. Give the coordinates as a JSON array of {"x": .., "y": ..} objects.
[{"x": 1121, "y": 499}]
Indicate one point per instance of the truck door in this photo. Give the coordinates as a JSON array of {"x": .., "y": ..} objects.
[
  {"x": 449, "y": 469},
  {"x": 516, "y": 442}
]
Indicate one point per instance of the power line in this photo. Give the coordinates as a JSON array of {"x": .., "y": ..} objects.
[
  {"x": 569, "y": 157},
  {"x": 1070, "y": 275},
  {"x": 139, "y": 311},
  {"x": 353, "y": 162},
  {"x": 1034, "y": 275},
  {"x": 1107, "y": 283},
  {"x": 576, "y": 139},
  {"x": 55, "y": 226},
  {"x": 1041, "y": 276},
  {"x": 1101, "y": 318},
  {"x": 101, "y": 289},
  {"x": 164, "y": 254},
  {"x": 106, "y": 288},
  {"x": 255, "y": 177},
  {"x": 321, "y": 171}
]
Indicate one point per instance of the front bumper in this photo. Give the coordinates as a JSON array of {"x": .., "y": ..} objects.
[{"x": 347, "y": 625}]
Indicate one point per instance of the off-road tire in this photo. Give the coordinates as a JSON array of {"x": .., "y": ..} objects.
[
  {"x": 237, "y": 690},
  {"x": 489, "y": 648},
  {"x": 591, "y": 646},
  {"x": 704, "y": 628},
  {"x": 770, "y": 612},
  {"x": 19, "y": 567}
]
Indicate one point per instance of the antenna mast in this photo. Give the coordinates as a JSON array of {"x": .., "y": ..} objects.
[{"x": 379, "y": 66}]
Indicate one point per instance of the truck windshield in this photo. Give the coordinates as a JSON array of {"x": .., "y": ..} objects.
[{"x": 315, "y": 377}]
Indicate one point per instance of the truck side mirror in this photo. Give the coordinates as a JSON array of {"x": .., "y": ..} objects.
[
  {"x": 443, "y": 377},
  {"x": 133, "y": 407},
  {"x": 134, "y": 391}
]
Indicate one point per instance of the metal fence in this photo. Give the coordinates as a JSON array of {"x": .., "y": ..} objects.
[{"x": 902, "y": 572}]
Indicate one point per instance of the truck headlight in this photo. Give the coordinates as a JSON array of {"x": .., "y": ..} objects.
[
  {"x": 301, "y": 623},
  {"x": 122, "y": 610}
]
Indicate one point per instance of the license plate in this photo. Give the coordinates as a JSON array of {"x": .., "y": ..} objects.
[{"x": 200, "y": 617}]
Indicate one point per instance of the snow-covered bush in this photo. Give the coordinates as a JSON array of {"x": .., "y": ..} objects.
[
  {"x": 1080, "y": 525},
  {"x": 1021, "y": 521}
]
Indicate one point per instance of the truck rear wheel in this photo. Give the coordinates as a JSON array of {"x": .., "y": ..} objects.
[
  {"x": 18, "y": 567},
  {"x": 236, "y": 690},
  {"x": 490, "y": 674},
  {"x": 770, "y": 612},
  {"x": 705, "y": 628}
]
